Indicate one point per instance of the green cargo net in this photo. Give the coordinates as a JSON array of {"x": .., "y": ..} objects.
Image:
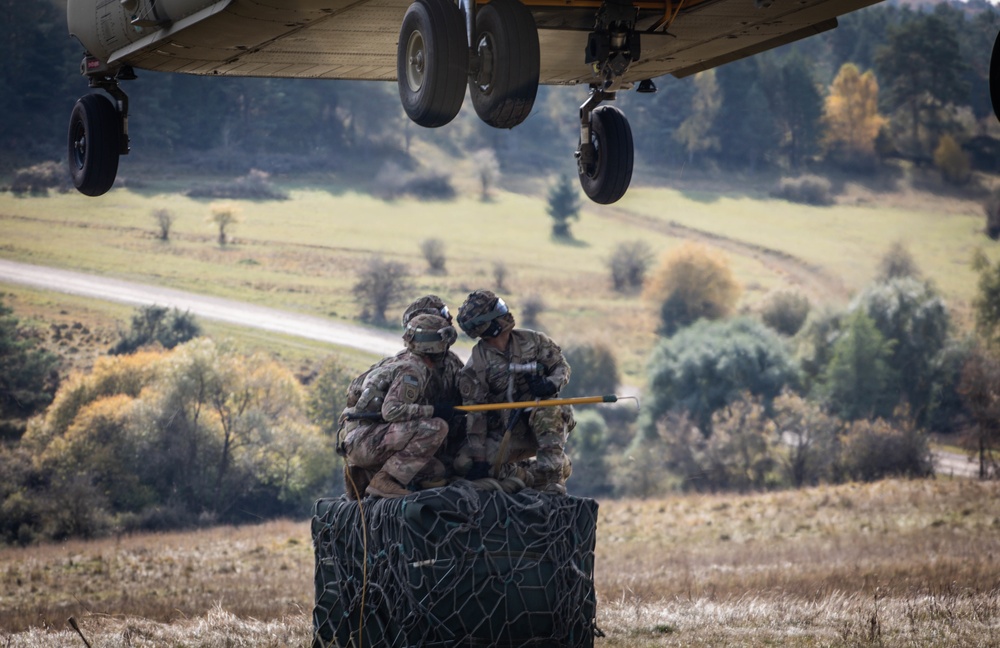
[{"x": 454, "y": 567}]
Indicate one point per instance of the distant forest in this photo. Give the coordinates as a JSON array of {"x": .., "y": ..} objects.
[{"x": 891, "y": 82}]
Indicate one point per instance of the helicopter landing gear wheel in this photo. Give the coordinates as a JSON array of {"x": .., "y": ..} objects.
[
  {"x": 432, "y": 62},
  {"x": 605, "y": 173},
  {"x": 94, "y": 144},
  {"x": 505, "y": 82}
]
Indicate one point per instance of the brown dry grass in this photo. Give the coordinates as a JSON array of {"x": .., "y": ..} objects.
[{"x": 897, "y": 563}]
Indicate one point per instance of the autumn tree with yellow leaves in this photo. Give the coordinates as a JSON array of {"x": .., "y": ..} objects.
[{"x": 851, "y": 116}]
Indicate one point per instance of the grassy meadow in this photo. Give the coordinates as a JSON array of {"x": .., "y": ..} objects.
[
  {"x": 303, "y": 254},
  {"x": 895, "y": 563}
]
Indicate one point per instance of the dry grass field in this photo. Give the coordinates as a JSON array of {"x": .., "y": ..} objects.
[
  {"x": 303, "y": 254},
  {"x": 895, "y": 563}
]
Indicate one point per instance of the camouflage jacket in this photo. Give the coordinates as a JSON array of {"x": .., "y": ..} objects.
[
  {"x": 488, "y": 378},
  {"x": 448, "y": 377},
  {"x": 401, "y": 388}
]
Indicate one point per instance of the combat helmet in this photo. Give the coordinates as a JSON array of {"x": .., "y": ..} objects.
[
  {"x": 428, "y": 304},
  {"x": 484, "y": 315},
  {"x": 429, "y": 335}
]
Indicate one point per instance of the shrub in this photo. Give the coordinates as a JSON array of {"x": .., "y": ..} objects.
[
  {"x": 500, "y": 274},
  {"x": 874, "y": 450},
  {"x": 897, "y": 263},
  {"x": 991, "y": 208},
  {"x": 430, "y": 186},
  {"x": 380, "y": 284},
  {"x": 785, "y": 312},
  {"x": 952, "y": 162},
  {"x": 810, "y": 440},
  {"x": 532, "y": 306},
  {"x": 692, "y": 283},
  {"x": 256, "y": 185},
  {"x": 39, "y": 178},
  {"x": 328, "y": 394},
  {"x": 741, "y": 451},
  {"x": 156, "y": 324},
  {"x": 807, "y": 190},
  {"x": 629, "y": 263},
  {"x": 487, "y": 171},
  {"x": 710, "y": 364},
  {"x": 587, "y": 448},
  {"x": 433, "y": 251},
  {"x": 164, "y": 221},
  {"x": 594, "y": 370}
]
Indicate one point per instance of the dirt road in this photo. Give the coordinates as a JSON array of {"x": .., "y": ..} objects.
[{"x": 214, "y": 308}]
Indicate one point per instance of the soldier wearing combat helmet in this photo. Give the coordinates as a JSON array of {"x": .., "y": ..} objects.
[
  {"x": 510, "y": 365},
  {"x": 399, "y": 422}
]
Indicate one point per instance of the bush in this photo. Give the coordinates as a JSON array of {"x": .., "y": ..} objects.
[
  {"x": 692, "y": 283},
  {"x": 433, "y": 251},
  {"x": 532, "y": 306},
  {"x": 807, "y": 190},
  {"x": 952, "y": 162},
  {"x": 39, "y": 178},
  {"x": 380, "y": 284},
  {"x": 859, "y": 380},
  {"x": 874, "y": 450},
  {"x": 709, "y": 365},
  {"x": 587, "y": 448},
  {"x": 785, "y": 312},
  {"x": 594, "y": 370},
  {"x": 991, "y": 208},
  {"x": 628, "y": 264},
  {"x": 156, "y": 324},
  {"x": 897, "y": 263},
  {"x": 253, "y": 186},
  {"x": 810, "y": 440},
  {"x": 431, "y": 186}
]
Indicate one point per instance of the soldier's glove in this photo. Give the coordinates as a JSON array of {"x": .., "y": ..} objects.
[
  {"x": 541, "y": 387},
  {"x": 479, "y": 470},
  {"x": 446, "y": 410}
]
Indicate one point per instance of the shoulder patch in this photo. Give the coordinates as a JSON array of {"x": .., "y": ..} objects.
[{"x": 411, "y": 388}]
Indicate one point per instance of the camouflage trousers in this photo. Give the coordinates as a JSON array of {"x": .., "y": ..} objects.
[
  {"x": 403, "y": 449},
  {"x": 543, "y": 436}
]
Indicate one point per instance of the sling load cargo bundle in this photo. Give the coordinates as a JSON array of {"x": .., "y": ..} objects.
[{"x": 455, "y": 566}]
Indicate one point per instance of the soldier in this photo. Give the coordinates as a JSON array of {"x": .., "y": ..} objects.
[
  {"x": 448, "y": 374},
  {"x": 510, "y": 365},
  {"x": 398, "y": 422}
]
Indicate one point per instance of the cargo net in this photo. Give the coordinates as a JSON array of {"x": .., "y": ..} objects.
[{"x": 455, "y": 566}]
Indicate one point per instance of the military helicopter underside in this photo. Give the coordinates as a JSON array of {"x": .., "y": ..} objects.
[{"x": 435, "y": 50}]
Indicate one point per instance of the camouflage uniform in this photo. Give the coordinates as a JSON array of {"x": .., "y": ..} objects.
[
  {"x": 540, "y": 432},
  {"x": 446, "y": 375},
  {"x": 404, "y": 441}
]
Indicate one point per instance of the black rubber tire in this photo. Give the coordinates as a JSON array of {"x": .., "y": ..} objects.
[
  {"x": 507, "y": 40},
  {"x": 432, "y": 88},
  {"x": 995, "y": 77},
  {"x": 607, "y": 179},
  {"x": 93, "y": 144}
]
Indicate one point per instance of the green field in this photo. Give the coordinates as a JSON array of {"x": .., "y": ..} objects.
[{"x": 303, "y": 254}]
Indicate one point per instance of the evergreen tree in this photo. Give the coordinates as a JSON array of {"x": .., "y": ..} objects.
[
  {"x": 921, "y": 67},
  {"x": 857, "y": 382},
  {"x": 745, "y": 123},
  {"x": 564, "y": 206}
]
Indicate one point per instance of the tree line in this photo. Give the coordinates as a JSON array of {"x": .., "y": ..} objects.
[{"x": 889, "y": 82}]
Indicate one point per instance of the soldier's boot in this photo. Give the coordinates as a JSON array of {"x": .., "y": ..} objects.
[
  {"x": 356, "y": 480},
  {"x": 383, "y": 485},
  {"x": 550, "y": 482},
  {"x": 433, "y": 475}
]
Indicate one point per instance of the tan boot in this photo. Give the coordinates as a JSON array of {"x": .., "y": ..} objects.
[
  {"x": 356, "y": 481},
  {"x": 382, "y": 485}
]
